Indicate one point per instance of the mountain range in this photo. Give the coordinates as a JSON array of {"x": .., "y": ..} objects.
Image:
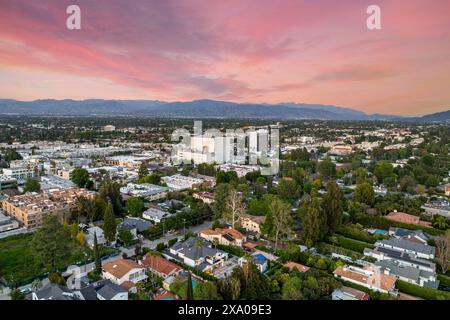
[{"x": 197, "y": 109}]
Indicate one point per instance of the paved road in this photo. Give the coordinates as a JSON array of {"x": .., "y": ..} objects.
[{"x": 4, "y": 292}]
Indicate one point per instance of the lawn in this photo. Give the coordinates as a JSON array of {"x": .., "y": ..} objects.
[{"x": 17, "y": 263}]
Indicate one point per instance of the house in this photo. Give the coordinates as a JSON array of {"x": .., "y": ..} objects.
[
  {"x": 261, "y": 262},
  {"x": 370, "y": 277},
  {"x": 122, "y": 270},
  {"x": 297, "y": 266},
  {"x": 417, "y": 249},
  {"x": 409, "y": 274},
  {"x": 53, "y": 291},
  {"x": 411, "y": 235},
  {"x": 407, "y": 218},
  {"x": 102, "y": 290},
  {"x": 135, "y": 225},
  {"x": 206, "y": 197},
  {"x": 198, "y": 253},
  {"x": 228, "y": 237},
  {"x": 403, "y": 258},
  {"x": 90, "y": 234},
  {"x": 160, "y": 266},
  {"x": 252, "y": 223},
  {"x": 348, "y": 293},
  {"x": 155, "y": 215}
]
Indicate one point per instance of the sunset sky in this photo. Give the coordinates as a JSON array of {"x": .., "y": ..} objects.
[{"x": 306, "y": 51}]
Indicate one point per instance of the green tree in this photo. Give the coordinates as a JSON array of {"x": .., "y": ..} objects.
[
  {"x": 206, "y": 291},
  {"x": 80, "y": 177},
  {"x": 16, "y": 294},
  {"x": 313, "y": 221},
  {"x": 279, "y": 220},
  {"x": 327, "y": 169},
  {"x": 292, "y": 289},
  {"x": 332, "y": 207},
  {"x": 135, "y": 206},
  {"x": 109, "y": 223},
  {"x": 110, "y": 191},
  {"x": 383, "y": 170},
  {"x": 126, "y": 236},
  {"x": 364, "y": 194},
  {"x": 32, "y": 185},
  {"x": 288, "y": 189},
  {"x": 189, "y": 290},
  {"x": 143, "y": 170},
  {"x": 98, "y": 263},
  {"x": 52, "y": 243},
  {"x": 154, "y": 178}
]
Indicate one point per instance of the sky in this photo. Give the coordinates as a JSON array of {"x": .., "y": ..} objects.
[{"x": 259, "y": 51}]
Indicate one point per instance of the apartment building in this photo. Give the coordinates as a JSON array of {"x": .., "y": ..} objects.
[
  {"x": 19, "y": 173},
  {"x": 29, "y": 209},
  {"x": 180, "y": 182}
]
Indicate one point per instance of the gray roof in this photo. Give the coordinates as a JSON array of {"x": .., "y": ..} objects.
[
  {"x": 400, "y": 232},
  {"x": 109, "y": 290},
  {"x": 402, "y": 256},
  {"x": 135, "y": 223},
  {"x": 53, "y": 291},
  {"x": 190, "y": 250},
  {"x": 408, "y": 245},
  {"x": 407, "y": 272}
]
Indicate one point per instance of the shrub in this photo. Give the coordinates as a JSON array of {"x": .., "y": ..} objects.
[
  {"x": 421, "y": 292},
  {"x": 353, "y": 245}
]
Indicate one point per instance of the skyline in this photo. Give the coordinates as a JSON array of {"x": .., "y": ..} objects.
[{"x": 259, "y": 52}]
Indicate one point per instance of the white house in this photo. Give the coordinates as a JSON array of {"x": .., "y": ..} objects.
[{"x": 121, "y": 271}]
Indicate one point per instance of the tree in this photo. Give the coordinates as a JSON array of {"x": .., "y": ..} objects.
[
  {"x": 143, "y": 170},
  {"x": 288, "y": 189},
  {"x": 383, "y": 170},
  {"x": 51, "y": 243},
  {"x": 56, "y": 277},
  {"x": 135, "y": 206},
  {"x": 81, "y": 238},
  {"x": 154, "y": 178},
  {"x": 98, "y": 263},
  {"x": 443, "y": 251},
  {"x": 16, "y": 294},
  {"x": 281, "y": 220},
  {"x": 441, "y": 222},
  {"x": 253, "y": 284},
  {"x": 126, "y": 236},
  {"x": 364, "y": 194},
  {"x": 32, "y": 185},
  {"x": 326, "y": 168},
  {"x": 332, "y": 207},
  {"x": 110, "y": 191},
  {"x": 292, "y": 289},
  {"x": 234, "y": 207},
  {"x": 230, "y": 288},
  {"x": 206, "y": 291},
  {"x": 220, "y": 195},
  {"x": 313, "y": 221},
  {"x": 80, "y": 177},
  {"x": 189, "y": 290},
  {"x": 109, "y": 223}
]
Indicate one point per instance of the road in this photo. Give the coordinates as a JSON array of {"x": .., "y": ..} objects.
[{"x": 151, "y": 244}]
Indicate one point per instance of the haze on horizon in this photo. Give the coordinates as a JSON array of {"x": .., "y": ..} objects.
[{"x": 242, "y": 51}]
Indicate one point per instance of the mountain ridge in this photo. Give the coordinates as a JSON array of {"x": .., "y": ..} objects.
[{"x": 202, "y": 108}]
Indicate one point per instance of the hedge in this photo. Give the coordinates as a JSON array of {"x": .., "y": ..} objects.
[
  {"x": 353, "y": 245},
  {"x": 357, "y": 234},
  {"x": 383, "y": 223},
  {"x": 235, "y": 251},
  {"x": 326, "y": 248},
  {"x": 422, "y": 292},
  {"x": 444, "y": 280}
]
